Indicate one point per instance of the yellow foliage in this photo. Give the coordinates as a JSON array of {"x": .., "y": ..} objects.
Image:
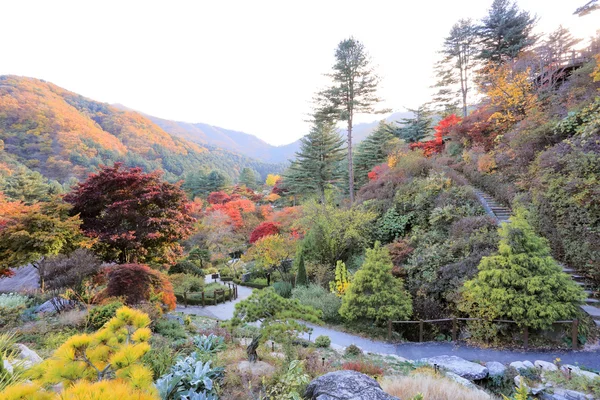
[
  {"x": 596, "y": 73},
  {"x": 272, "y": 197},
  {"x": 341, "y": 282},
  {"x": 272, "y": 179},
  {"x": 25, "y": 391},
  {"x": 486, "y": 163},
  {"x": 509, "y": 91}
]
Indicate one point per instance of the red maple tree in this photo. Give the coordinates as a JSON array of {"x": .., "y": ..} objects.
[{"x": 442, "y": 129}]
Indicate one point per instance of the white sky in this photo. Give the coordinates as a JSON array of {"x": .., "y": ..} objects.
[{"x": 246, "y": 65}]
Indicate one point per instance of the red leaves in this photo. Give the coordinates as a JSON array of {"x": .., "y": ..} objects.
[
  {"x": 443, "y": 128},
  {"x": 218, "y": 198},
  {"x": 262, "y": 230},
  {"x": 378, "y": 171}
]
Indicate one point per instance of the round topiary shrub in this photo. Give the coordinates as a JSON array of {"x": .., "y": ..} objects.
[
  {"x": 322, "y": 341},
  {"x": 353, "y": 350}
]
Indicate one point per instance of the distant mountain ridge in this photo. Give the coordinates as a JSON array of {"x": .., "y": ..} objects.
[{"x": 248, "y": 144}]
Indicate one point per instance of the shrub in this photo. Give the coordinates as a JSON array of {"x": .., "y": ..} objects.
[
  {"x": 322, "y": 341},
  {"x": 353, "y": 350},
  {"x": 100, "y": 315},
  {"x": 317, "y": 297},
  {"x": 169, "y": 328},
  {"x": 363, "y": 368},
  {"x": 68, "y": 272},
  {"x": 262, "y": 230},
  {"x": 186, "y": 267},
  {"x": 186, "y": 283},
  {"x": 11, "y": 307},
  {"x": 137, "y": 283},
  {"x": 284, "y": 289},
  {"x": 12, "y": 300},
  {"x": 291, "y": 384},
  {"x": 160, "y": 357}
]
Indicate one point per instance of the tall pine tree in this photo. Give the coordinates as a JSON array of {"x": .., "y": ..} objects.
[
  {"x": 505, "y": 32},
  {"x": 372, "y": 151},
  {"x": 353, "y": 91},
  {"x": 416, "y": 128},
  {"x": 315, "y": 167}
]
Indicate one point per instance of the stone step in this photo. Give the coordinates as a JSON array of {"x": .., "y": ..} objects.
[
  {"x": 577, "y": 277},
  {"x": 597, "y": 322},
  {"x": 594, "y": 312},
  {"x": 581, "y": 283},
  {"x": 588, "y": 292},
  {"x": 567, "y": 270},
  {"x": 591, "y": 300}
]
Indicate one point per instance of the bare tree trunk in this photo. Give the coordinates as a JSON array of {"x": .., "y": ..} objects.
[
  {"x": 251, "y": 349},
  {"x": 350, "y": 166}
]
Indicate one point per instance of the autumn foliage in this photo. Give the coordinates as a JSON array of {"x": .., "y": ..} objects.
[
  {"x": 138, "y": 283},
  {"x": 262, "y": 230},
  {"x": 378, "y": 171},
  {"x": 442, "y": 129},
  {"x": 218, "y": 198}
]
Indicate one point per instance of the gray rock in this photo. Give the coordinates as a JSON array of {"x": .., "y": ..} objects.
[
  {"x": 534, "y": 390},
  {"x": 495, "y": 368},
  {"x": 175, "y": 318},
  {"x": 545, "y": 365},
  {"x": 521, "y": 365},
  {"x": 578, "y": 371},
  {"x": 564, "y": 394},
  {"x": 51, "y": 305},
  {"x": 7, "y": 366},
  {"x": 28, "y": 357},
  {"x": 345, "y": 385},
  {"x": 459, "y": 366},
  {"x": 467, "y": 383}
]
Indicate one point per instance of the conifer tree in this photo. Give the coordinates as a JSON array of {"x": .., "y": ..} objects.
[
  {"x": 416, "y": 128},
  {"x": 248, "y": 178},
  {"x": 301, "y": 278},
  {"x": 340, "y": 285},
  {"x": 505, "y": 32},
  {"x": 320, "y": 152},
  {"x": 372, "y": 151},
  {"x": 354, "y": 90},
  {"x": 522, "y": 282},
  {"x": 374, "y": 293}
]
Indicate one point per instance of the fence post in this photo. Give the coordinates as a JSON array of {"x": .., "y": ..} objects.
[
  {"x": 389, "y": 330},
  {"x": 236, "y": 292},
  {"x": 574, "y": 333},
  {"x": 526, "y": 337},
  {"x": 215, "y": 294},
  {"x": 420, "y": 330},
  {"x": 185, "y": 299},
  {"x": 454, "y": 330},
  {"x": 202, "y": 298}
]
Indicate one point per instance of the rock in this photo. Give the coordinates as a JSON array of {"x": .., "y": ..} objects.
[
  {"x": 7, "y": 366},
  {"x": 564, "y": 394},
  {"x": 459, "y": 366},
  {"x": 28, "y": 356},
  {"x": 578, "y": 371},
  {"x": 345, "y": 385},
  {"x": 545, "y": 365},
  {"x": 534, "y": 390},
  {"x": 495, "y": 369},
  {"x": 259, "y": 368},
  {"x": 50, "y": 305},
  {"x": 521, "y": 365},
  {"x": 467, "y": 383},
  {"x": 175, "y": 318}
]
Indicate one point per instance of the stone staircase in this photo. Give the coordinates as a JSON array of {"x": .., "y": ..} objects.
[{"x": 501, "y": 214}]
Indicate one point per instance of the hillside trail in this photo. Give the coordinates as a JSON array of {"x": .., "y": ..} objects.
[{"x": 411, "y": 351}]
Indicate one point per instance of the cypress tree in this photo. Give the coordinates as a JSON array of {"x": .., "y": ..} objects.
[
  {"x": 301, "y": 278},
  {"x": 522, "y": 282},
  {"x": 372, "y": 151}
]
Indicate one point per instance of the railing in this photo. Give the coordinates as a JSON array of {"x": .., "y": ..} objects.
[
  {"x": 574, "y": 328},
  {"x": 219, "y": 296}
]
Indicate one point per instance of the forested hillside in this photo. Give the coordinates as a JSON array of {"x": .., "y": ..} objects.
[{"x": 64, "y": 136}]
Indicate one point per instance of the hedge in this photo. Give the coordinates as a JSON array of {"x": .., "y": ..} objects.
[{"x": 249, "y": 284}]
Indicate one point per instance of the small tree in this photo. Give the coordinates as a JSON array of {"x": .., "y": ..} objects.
[
  {"x": 342, "y": 281},
  {"x": 301, "y": 278},
  {"x": 375, "y": 294},
  {"x": 278, "y": 317},
  {"x": 522, "y": 282},
  {"x": 273, "y": 253}
]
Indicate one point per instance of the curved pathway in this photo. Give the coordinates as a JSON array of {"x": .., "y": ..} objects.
[{"x": 410, "y": 350}]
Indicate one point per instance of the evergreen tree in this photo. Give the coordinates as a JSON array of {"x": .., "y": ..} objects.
[
  {"x": 372, "y": 151},
  {"x": 248, "y": 178},
  {"x": 320, "y": 151},
  {"x": 28, "y": 187},
  {"x": 522, "y": 282},
  {"x": 505, "y": 32},
  {"x": 374, "y": 293},
  {"x": 301, "y": 278},
  {"x": 455, "y": 67},
  {"x": 215, "y": 181},
  {"x": 416, "y": 128},
  {"x": 353, "y": 91}
]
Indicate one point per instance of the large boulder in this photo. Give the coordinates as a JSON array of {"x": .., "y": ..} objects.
[
  {"x": 345, "y": 385},
  {"x": 545, "y": 366},
  {"x": 27, "y": 357},
  {"x": 564, "y": 394},
  {"x": 495, "y": 369},
  {"x": 522, "y": 365},
  {"x": 459, "y": 366},
  {"x": 574, "y": 370}
]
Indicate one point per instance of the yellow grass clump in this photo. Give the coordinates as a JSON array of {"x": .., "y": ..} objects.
[{"x": 430, "y": 387}]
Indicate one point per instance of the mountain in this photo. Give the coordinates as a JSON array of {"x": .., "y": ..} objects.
[
  {"x": 64, "y": 136},
  {"x": 247, "y": 144}
]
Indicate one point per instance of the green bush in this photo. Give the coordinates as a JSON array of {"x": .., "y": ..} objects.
[
  {"x": 353, "y": 350},
  {"x": 320, "y": 299},
  {"x": 284, "y": 289},
  {"x": 186, "y": 267},
  {"x": 160, "y": 357},
  {"x": 252, "y": 284},
  {"x": 98, "y": 316},
  {"x": 13, "y": 300},
  {"x": 186, "y": 283},
  {"x": 169, "y": 328},
  {"x": 322, "y": 341}
]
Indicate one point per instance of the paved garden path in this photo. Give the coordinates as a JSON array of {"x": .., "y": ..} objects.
[
  {"x": 222, "y": 311},
  {"x": 411, "y": 351}
]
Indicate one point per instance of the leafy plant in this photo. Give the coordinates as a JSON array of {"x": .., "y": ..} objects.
[
  {"x": 322, "y": 341},
  {"x": 12, "y": 300},
  {"x": 209, "y": 344},
  {"x": 284, "y": 289},
  {"x": 169, "y": 328},
  {"x": 291, "y": 383},
  {"x": 100, "y": 315},
  {"x": 317, "y": 297},
  {"x": 353, "y": 350}
]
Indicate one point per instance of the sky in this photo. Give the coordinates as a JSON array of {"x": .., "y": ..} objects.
[{"x": 246, "y": 65}]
